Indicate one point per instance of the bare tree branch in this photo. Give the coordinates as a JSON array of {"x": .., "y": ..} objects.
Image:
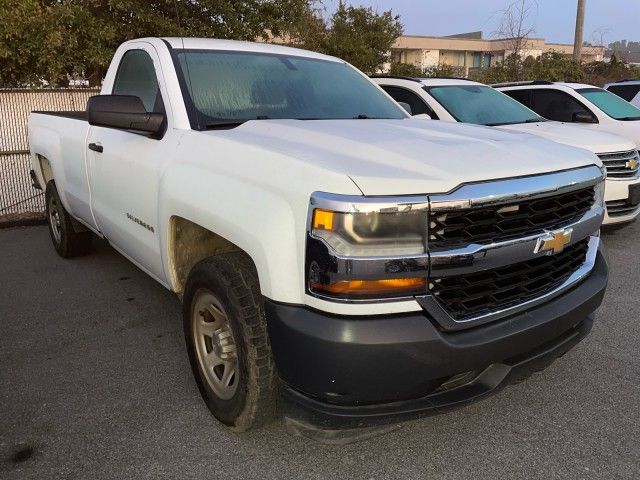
[{"x": 515, "y": 27}]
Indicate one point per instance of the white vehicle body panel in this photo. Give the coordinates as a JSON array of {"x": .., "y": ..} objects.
[{"x": 252, "y": 184}]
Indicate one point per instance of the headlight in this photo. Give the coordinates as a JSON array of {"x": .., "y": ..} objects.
[
  {"x": 360, "y": 248},
  {"x": 372, "y": 233}
]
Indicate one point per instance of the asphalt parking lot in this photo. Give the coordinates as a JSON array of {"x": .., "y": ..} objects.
[{"x": 95, "y": 383}]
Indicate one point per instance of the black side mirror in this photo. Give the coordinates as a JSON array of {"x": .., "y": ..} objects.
[
  {"x": 406, "y": 106},
  {"x": 583, "y": 117},
  {"x": 125, "y": 112}
]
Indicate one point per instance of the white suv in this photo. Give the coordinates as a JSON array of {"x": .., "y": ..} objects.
[
  {"x": 628, "y": 90},
  {"x": 461, "y": 100},
  {"x": 578, "y": 103}
]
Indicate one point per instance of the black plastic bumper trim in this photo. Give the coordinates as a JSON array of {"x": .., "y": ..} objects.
[
  {"x": 345, "y": 372},
  {"x": 324, "y": 416}
]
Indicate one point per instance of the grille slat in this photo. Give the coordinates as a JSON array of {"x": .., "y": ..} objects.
[
  {"x": 619, "y": 208},
  {"x": 503, "y": 222},
  {"x": 467, "y": 296},
  {"x": 618, "y": 164}
]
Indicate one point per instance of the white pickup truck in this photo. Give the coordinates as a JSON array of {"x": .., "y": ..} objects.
[{"x": 335, "y": 257}]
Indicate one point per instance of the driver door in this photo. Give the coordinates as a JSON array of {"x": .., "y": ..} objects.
[{"x": 124, "y": 168}]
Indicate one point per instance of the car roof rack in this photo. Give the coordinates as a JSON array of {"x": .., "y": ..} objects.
[
  {"x": 448, "y": 78},
  {"x": 419, "y": 79},
  {"x": 526, "y": 82},
  {"x": 397, "y": 77}
]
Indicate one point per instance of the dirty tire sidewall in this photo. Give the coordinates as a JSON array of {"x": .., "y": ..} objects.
[
  {"x": 225, "y": 276},
  {"x": 71, "y": 242},
  {"x": 52, "y": 194}
]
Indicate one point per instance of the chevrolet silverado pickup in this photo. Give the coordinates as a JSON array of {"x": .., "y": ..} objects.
[
  {"x": 337, "y": 260},
  {"x": 458, "y": 100}
]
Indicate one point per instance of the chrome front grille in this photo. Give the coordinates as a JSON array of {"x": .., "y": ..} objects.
[
  {"x": 621, "y": 164},
  {"x": 506, "y": 221},
  {"x": 498, "y": 248},
  {"x": 476, "y": 294}
]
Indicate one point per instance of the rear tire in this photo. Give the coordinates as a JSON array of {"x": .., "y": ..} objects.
[
  {"x": 67, "y": 241},
  {"x": 227, "y": 341}
]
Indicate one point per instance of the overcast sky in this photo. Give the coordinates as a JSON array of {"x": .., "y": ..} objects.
[{"x": 554, "y": 20}]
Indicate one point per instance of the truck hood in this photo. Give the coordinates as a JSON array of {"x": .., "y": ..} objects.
[
  {"x": 410, "y": 156},
  {"x": 594, "y": 141}
]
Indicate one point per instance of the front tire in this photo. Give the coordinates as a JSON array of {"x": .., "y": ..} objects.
[
  {"x": 66, "y": 240},
  {"x": 227, "y": 341}
]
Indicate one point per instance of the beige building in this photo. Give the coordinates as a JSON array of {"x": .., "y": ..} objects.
[{"x": 470, "y": 51}]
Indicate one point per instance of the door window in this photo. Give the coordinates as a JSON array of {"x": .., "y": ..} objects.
[
  {"x": 418, "y": 106},
  {"x": 136, "y": 76},
  {"x": 556, "y": 105},
  {"x": 627, "y": 92},
  {"x": 523, "y": 96},
  {"x": 610, "y": 104}
]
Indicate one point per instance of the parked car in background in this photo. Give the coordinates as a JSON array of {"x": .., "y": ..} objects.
[
  {"x": 331, "y": 252},
  {"x": 628, "y": 90},
  {"x": 461, "y": 100},
  {"x": 578, "y": 103}
]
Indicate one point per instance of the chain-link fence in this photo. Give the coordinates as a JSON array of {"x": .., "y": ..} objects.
[{"x": 19, "y": 201}]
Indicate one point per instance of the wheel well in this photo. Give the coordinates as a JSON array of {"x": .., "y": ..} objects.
[
  {"x": 190, "y": 243},
  {"x": 45, "y": 169}
]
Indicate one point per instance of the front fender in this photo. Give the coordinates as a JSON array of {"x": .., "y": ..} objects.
[{"x": 259, "y": 220}]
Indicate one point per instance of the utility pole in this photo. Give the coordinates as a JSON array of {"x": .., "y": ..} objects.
[{"x": 577, "y": 44}]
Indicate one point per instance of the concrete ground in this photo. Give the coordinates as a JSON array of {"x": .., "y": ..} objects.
[{"x": 95, "y": 383}]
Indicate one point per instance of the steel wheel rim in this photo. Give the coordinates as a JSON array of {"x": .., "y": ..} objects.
[
  {"x": 214, "y": 344},
  {"x": 54, "y": 220}
]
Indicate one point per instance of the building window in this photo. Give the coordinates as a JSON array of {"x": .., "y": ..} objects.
[{"x": 452, "y": 57}]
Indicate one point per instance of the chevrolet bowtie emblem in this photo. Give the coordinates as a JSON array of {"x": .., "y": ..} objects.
[
  {"x": 554, "y": 242},
  {"x": 632, "y": 164}
]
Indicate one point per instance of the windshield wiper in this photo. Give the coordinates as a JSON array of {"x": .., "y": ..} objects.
[
  {"x": 529, "y": 120},
  {"x": 626, "y": 119},
  {"x": 222, "y": 123}
]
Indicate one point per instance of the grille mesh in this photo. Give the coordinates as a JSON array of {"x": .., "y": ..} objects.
[
  {"x": 512, "y": 220},
  {"x": 618, "y": 164},
  {"x": 467, "y": 296}
]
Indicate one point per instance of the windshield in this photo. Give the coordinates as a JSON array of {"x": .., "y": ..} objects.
[
  {"x": 482, "y": 105},
  {"x": 611, "y": 104},
  {"x": 239, "y": 86}
]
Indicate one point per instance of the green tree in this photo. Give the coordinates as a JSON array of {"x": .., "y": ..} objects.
[
  {"x": 52, "y": 40},
  {"x": 437, "y": 71},
  {"x": 362, "y": 37},
  {"x": 552, "y": 66},
  {"x": 405, "y": 70},
  {"x": 359, "y": 35}
]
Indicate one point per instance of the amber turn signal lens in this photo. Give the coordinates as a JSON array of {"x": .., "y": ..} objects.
[
  {"x": 322, "y": 219},
  {"x": 390, "y": 286}
]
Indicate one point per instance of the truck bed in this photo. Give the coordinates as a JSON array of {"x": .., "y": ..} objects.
[{"x": 61, "y": 140}]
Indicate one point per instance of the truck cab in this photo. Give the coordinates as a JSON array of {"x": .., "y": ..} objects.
[{"x": 336, "y": 259}]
